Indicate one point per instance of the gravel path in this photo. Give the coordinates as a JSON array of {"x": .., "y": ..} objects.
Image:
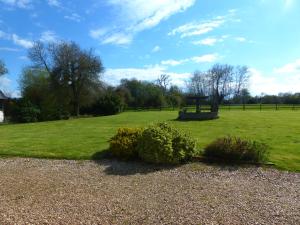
[{"x": 34, "y": 191}]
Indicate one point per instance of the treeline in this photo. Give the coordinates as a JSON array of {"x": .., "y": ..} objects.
[
  {"x": 281, "y": 98},
  {"x": 64, "y": 80}
]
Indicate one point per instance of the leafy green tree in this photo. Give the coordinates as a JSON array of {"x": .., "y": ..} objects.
[
  {"x": 74, "y": 72},
  {"x": 175, "y": 96},
  {"x": 143, "y": 93},
  {"x": 36, "y": 88}
]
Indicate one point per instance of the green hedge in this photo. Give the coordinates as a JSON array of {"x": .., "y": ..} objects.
[
  {"x": 235, "y": 149},
  {"x": 158, "y": 143},
  {"x": 162, "y": 143},
  {"x": 123, "y": 144}
]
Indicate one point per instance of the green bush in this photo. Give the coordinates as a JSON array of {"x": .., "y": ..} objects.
[
  {"x": 23, "y": 111},
  {"x": 162, "y": 143},
  {"x": 123, "y": 144},
  {"x": 234, "y": 149}
]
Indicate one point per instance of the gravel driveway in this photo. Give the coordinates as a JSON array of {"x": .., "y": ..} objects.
[{"x": 34, "y": 191}]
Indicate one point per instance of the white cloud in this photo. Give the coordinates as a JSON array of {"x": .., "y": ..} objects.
[
  {"x": 25, "y": 4},
  {"x": 23, "y": 57},
  {"x": 288, "y": 3},
  {"x": 113, "y": 76},
  {"x": 111, "y": 37},
  {"x": 21, "y": 42},
  {"x": 9, "y": 49},
  {"x": 206, "y": 41},
  {"x": 211, "y": 41},
  {"x": 74, "y": 17},
  {"x": 208, "y": 58},
  {"x": 98, "y": 33},
  {"x": 172, "y": 62},
  {"x": 55, "y": 3},
  {"x": 200, "y": 28},
  {"x": 118, "y": 39},
  {"x": 290, "y": 68},
  {"x": 5, "y": 83},
  {"x": 240, "y": 39},
  {"x": 48, "y": 36},
  {"x": 16, "y": 40},
  {"x": 277, "y": 83},
  {"x": 140, "y": 15},
  {"x": 156, "y": 49},
  {"x": 4, "y": 35},
  {"x": 193, "y": 29}
]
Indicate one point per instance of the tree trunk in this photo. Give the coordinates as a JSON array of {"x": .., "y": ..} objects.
[
  {"x": 215, "y": 102},
  {"x": 76, "y": 108},
  {"x": 76, "y": 104}
]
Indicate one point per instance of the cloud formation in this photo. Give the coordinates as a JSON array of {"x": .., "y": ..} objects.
[
  {"x": 55, "y": 3},
  {"x": 74, "y": 17},
  {"x": 113, "y": 76},
  {"x": 24, "y": 4},
  {"x": 16, "y": 40},
  {"x": 156, "y": 49},
  {"x": 208, "y": 58},
  {"x": 141, "y": 15},
  {"x": 284, "y": 79},
  {"x": 203, "y": 27},
  {"x": 48, "y": 36}
]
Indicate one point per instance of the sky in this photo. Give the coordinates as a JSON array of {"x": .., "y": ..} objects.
[{"x": 143, "y": 39}]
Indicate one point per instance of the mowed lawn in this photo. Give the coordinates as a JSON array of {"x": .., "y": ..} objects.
[{"x": 82, "y": 138}]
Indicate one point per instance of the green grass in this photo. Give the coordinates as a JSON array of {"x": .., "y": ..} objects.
[{"x": 82, "y": 138}]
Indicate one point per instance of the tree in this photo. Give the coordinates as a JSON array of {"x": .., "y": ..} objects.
[
  {"x": 36, "y": 87},
  {"x": 219, "y": 82},
  {"x": 73, "y": 71},
  {"x": 199, "y": 84},
  {"x": 3, "y": 69},
  {"x": 143, "y": 93},
  {"x": 175, "y": 96},
  {"x": 163, "y": 82},
  {"x": 242, "y": 98}
]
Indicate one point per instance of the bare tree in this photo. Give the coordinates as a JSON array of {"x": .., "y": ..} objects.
[
  {"x": 163, "y": 82},
  {"x": 241, "y": 78},
  {"x": 219, "y": 82},
  {"x": 198, "y": 84},
  {"x": 3, "y": 69},
  {"x": 70, "y": 68}
]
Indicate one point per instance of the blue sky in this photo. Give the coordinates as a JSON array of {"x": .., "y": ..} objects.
[{"x": 143, "y": 39}]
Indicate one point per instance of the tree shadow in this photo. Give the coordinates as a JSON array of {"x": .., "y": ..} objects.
[{"x": 118, "y": 167}]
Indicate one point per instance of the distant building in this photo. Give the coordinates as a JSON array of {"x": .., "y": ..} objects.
[{"x": 3, "y": 98}]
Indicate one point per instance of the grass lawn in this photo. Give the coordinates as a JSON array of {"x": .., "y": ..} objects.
[{"x": 82, "y": 138}]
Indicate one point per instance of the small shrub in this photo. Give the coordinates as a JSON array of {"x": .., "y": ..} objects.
[
  {"x": 123, "y": 144},
  {"x": 162, "y": 143},
  {"x": 234, "y": 149}
]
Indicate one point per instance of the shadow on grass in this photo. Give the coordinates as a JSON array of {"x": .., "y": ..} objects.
[{"x": 125, "y": 168}]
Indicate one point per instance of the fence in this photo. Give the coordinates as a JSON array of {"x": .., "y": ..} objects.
[{"x": 225, "y": 107}]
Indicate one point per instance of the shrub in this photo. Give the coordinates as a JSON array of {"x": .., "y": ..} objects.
[
  {"x": 24, "y": 111},
  {"x": 108, "y": 104},
  {"x": 234, "y": 149},
  {"x": 162, "y": 143},
  {"x": 124, "y": 144}
]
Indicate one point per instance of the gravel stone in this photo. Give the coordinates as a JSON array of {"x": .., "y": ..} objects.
[{"x": 39, "y": 191}]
